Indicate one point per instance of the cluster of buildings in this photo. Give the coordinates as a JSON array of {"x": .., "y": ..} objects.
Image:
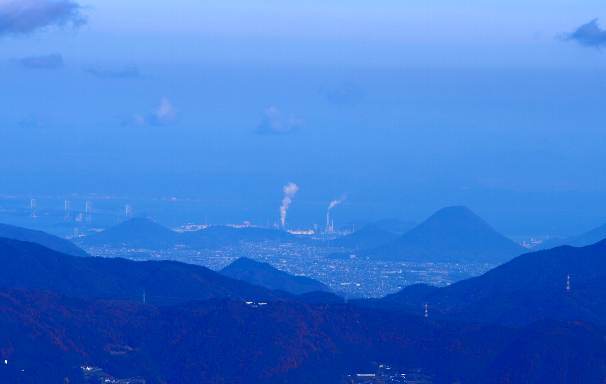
[
  {"x": 96, "y": 375},
  {"x": 351, "y": 277},
  {"x": 385, "y": 374}
]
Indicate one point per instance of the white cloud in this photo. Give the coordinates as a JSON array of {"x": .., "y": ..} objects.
[
  {"x": 275, "y": 123},
  {"x": 164, "y": 114}
]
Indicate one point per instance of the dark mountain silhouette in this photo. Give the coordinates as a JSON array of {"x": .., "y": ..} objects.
[
  {"x": 552, "y": 242},
  {"x": 368, "y": 237},
  {"x": 46, "y": 338},
  {"x": 135, "y": 233},
  {"x": 144, "y": 233},
  {"x": 320, "y": 297},
  {"x": 532, "y": 287},
  {"x": 590, "y": 237},
  {"x": 264, "y": 275},
  {"x": 453, "y": 234},
  {"x": 53, "y": 242},
  {"x": 552, "y": 352},
  {"x": 31, "y": 266}
]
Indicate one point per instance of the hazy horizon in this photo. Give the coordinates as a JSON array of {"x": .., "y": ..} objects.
[{"x": 403, "y": 108}]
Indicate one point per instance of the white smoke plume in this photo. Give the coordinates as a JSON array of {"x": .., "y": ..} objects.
[
  {"x": 334, "y": 203},
  {"x": 331, "y": 206},
  {"x": 290, "y": 190}
]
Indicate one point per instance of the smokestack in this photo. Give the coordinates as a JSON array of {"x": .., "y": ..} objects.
[
  {"x": 67, "y": 210},
  {"x": 331, "y": 205},
  {"x": 33, "y": 204},
  {"x": 88, "y": 211},
  {"x": 290, "y": 190}
]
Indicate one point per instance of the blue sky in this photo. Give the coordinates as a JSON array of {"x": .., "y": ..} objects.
[{"x": 404, "y": 106}]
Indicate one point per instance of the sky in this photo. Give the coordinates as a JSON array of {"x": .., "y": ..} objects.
[{"x": 405, "y": 107}]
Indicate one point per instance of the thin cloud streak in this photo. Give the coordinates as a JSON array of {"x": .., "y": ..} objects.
[
  {"x": 589, "y": 35},
  {"x": 52, "y": 61},
  {"x": 22, "y": 17}
]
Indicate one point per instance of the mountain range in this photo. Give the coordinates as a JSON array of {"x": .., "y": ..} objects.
[
  {"x": 590, "y": 237},
  {"x": 518, "y": 323},
  {"x": 134, "y": 233},
  {"x": 32, "y": 266},
  {"x": 264, "y": 275},
  {"x": 563, "y": 283},
  {"x": 45, "y": 337},
  {"x": 147, "y": 234},
  {"x": 53, "y": 242},
  {"x": 452, "y": 234}
]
